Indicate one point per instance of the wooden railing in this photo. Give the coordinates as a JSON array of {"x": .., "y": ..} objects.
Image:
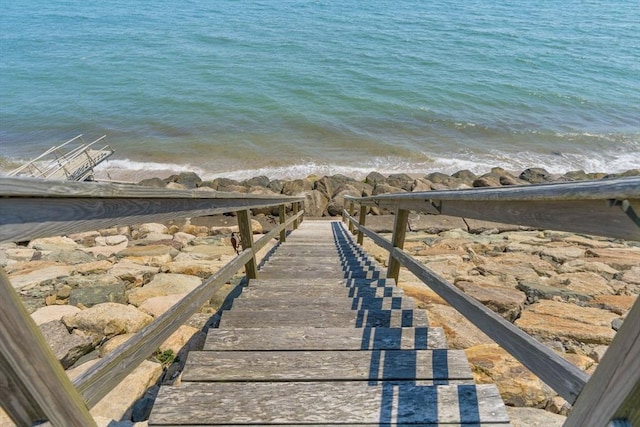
[
  {"x": 606, "y": 208},
  {"x": 33, "y": 384}
]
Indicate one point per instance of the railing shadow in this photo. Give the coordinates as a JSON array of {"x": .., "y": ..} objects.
[{"x": 393, "y": 367}]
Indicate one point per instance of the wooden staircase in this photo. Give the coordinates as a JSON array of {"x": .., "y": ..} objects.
[{"x": 322, "y": 338}]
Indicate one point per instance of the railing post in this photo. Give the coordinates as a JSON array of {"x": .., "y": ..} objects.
[
  {"x": 399, "y": 232},
  {"x": 33, "y": 381},
  {"x": 351, "y": 211},
  {"x": 361, "y": 220},
  {"x": 246, "y": 238},
  {"x": 283, "y": 219},
  {"x": 294, "y": 205}
]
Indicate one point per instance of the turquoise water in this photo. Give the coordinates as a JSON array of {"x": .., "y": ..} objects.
[{"x": 288, "y": 88}]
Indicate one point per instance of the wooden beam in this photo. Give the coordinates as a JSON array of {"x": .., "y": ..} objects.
[
  {"x": 296, "y": 208},
  {"x": 282, "y": 215},
  {"x": 566, "y": 379},
  {"x": 613, "y": 392},
  {"x": 246, "y": 237},
  {"x": 33, "y": 370},
  {"x": 361, "y": 220},
  {"x": 399, "y": 233},
  {"x": 102, "y": 377},
  {"x": 351, "y": 212}
]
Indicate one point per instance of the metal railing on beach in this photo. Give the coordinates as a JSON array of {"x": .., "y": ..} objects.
[
  {"x": 606, "y": 208},
  {"x": 33, "y": 385}
]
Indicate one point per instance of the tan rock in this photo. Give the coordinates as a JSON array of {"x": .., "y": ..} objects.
[
  {"x": 20, "y": 254},
  {"x": 586, "y": 283},
  {"x": 183, "y": 238},
  {"x": 97, "y": 267},
  {"x": 507, "y": 302},
  {"x": 618, "y": 258},
  {"x": 58, "y": 243},
  {"x": 164, "y": 284},
  {"x": 584, "y": 265},
  {"x": 106, "y": 251},
  {"x": 114, "y": 343},
  {"x": 579, "y": 360},
  {"x": 517, "y": 385},
  {"x": 159, "y": 305},
  {"x": 29, "y": 279},
  {"x": 200, "y": 268},
  {"x": 111, "y": 240},
  {"x": 196, "y": 230},
  {"x": 108, "y": 319},
  {"x": 632, "y": 276},
  {"x": 53, "y": 312},
  {"x": 152, "y": 260},
  {"x": 82, "y": 237},
  {"x": 149, "y": 251},
  {"x": 618, "y": 304},
  {"x": 459, "y": 331},
  {"x": 133, "y": 272},
  {"x": 562, "y": 254},
  {"x": 151, "y": 227},
  {"x": 421, "y": 293},
  {"x": 551, "y": 319},
  {"x": 119, "y": 402},
  {"x": 205, "y": 252},
  {"x": 178, "y": 339}
]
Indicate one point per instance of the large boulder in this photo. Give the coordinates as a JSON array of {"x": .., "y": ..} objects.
[
  {"x": 67, "y": 347},
  {"x": 108, "y": 319},
  {"x": 38, "y": 272},
  {"x": 535, "y": 175},
  {"x": 506, "y": 302},
  {"x": 188, "y": 179},
  {"x": 53, "y": 244},
  {"x": 315, "y": 204},
  {"x": 92, "y": 295},
  {"x": 53, "y": 312}
]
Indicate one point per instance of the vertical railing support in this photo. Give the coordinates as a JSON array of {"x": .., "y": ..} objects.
[
  {"x": 361, "y": 220},
  {"x": 246, "y": 238},
  {"x": 399, "y": 232},
  {"x": 351, "y": 211},
  {"x": 32, "y": 380},
  {"x": 283, "y": 218},
  {"x": 295, "y": 213}
]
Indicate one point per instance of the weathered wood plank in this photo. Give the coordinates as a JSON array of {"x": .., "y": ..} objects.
[
  {"x": 324, "y": 303},
  {"x": 327, "y": 403},
  {"x": 320, "y": 292},
  {"x": 300, "y": 338},
  {"x": 616, "y": 380},
  {"x": 440, "y": 366},
  {"x": 29, "y": 366},
  {"x": 322, "y": 318},
  {"x": 399, "y": 232},
  {"x": 246, "y": 239}
]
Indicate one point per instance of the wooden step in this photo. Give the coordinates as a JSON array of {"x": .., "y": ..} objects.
[
  {"x": 239, "y": 318},
  {"x": 427, "y": 366},
  {"x": 320, "y": 281},
  {"x": 301, "y": 338},
  {"x": 323, "y": 303},
  {"x": 319, "y": 291},
  {"x": 327, "y": 403}
]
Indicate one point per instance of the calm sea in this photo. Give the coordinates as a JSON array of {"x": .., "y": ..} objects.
[{"x": 287, "y": 88}]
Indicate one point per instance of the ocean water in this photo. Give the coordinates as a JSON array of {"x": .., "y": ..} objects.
[{"x": 288, "y": 88}]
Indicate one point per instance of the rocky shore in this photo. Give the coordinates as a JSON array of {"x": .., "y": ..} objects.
[{"x": 90, "y": 292}]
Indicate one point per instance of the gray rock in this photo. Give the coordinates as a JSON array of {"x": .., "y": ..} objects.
[
  {"x": 67, "y": 347},
  {"x": 188, "y": 179},
  {"x": 258, "y": 181},
  {"x": 375, "y": 178},
  {"x": 276, "y": 186},
  {"x": 616, "y": 324},
  {"x": 535, "y": 175},
  {"x": 90, "y": 296},
  {"x": 315, "y": 203},
  {"x": 296, "y": 187},
  {"x": 153, "y": 182},
  {"x": 69, "y": 257},
  {"x": 537, "y": 290},
  {"x": 487, "y": 180},
  {"x": 385, "y": 188},
  {"x": 400, "y": 180}
]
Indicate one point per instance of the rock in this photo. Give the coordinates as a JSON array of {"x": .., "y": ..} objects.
[
  {"x": 582, "y": 283},
  {"x": 435, "y": 223},
  {"x": 315, "y": 204},
  {"x": 578, "y": 175},
  {"x": 476, "y": 226},
  {"x": 164, "y": 284},
  {"x": 66, "y": 347},
  {"x": 532, "y": 417},
  {"x": 375, "y": 178},
  {"x": 196, "y": 230},
  {"x": 384, "y": 188},
  {"x": 53, "y": 244},
  {"x": 152, "y": 227},
  {"x": 183, "y": 238},
  {"x": 114, "y": 343},
  {"x": 111, "y": 240},
  {"x": 187, "y": 179},
  {"x": 106, "y": 251},
  {"x": 131, "y": 272},
  {"x": 43, "y": 271},
  {"x": 118, "y": 404},
  {"x": 68, "y": 257},
  {"x": 597, "y": 353},
  {"x": 152, "y": 182},
  {"x": 550, "y": 319},
  {"x": 535, "y": 175},
  {"x": 53, "y": 312},
  {"x": 205, "y": 252},
  {"x": 400, "y": 180},
  {"x": 94, "y": 267},
  {"x": 506, "y": 302},
  {"x": 276, "y": 186},
  {"x": 175, "y": 186},
  {"x": 562, "y": 254},
  {"x": 108, "y": 319},
  {"x": 459, "y": 331},
  {"x": 200, "y": 268},
  {"x": 258, "y": 181},
  {"x": 537, "y": 290},
  {"x": 148, "y": 251},
  {"x": 517, "y": 385},
  {"x": 618, "y": 304},
  {"x": 632, "y": 276},
  {"x": 158, "y": 305},
  {"x": 178, "y": 339},
  {"x": 421, "y": 185},
  {"x": 487, "y": 180},
  {"x": 618, "y": 258},
  {"x": 583, "y": 265},
  {"x": 296, "y": 187},
  {"x": 92, "y": 295}
]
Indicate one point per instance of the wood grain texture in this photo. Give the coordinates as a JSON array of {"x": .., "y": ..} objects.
[
  {"x": 246, "y": 239},
  {"x": 324, "y": 303},
  {"x": 400, "y": 222},
  {"x": 445, "y": 366},
  {"x": 340, "y": 338},
  {"x": 614, "y": 388},
  {"x": 32, "y": 369},
  {"x": 323, "y": 403}
]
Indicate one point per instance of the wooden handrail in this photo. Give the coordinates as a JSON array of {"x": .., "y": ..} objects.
[
  {"x": 608, "y": 208},
  {"x": 74, "y": 207}
]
